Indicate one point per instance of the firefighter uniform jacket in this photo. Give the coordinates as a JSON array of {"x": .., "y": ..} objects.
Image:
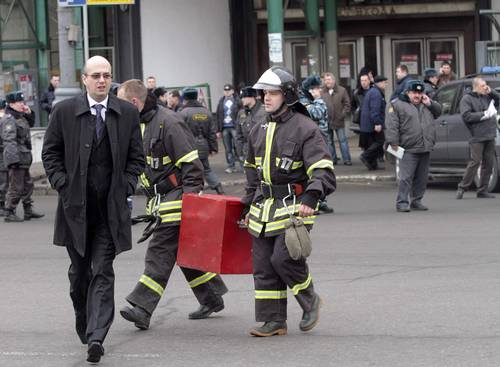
[
  {"x": 199, "y": 120},
  {"x": 172, "y": 162},
  {"x": 288, "y": 149}
]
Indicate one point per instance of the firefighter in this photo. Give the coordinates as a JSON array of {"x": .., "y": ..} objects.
[
  {"x": 17, "y": 157},
  {"x": 289, "y": 170},
  {"x": 199, "y": 120},
  {"x": 172, "y": 168}
]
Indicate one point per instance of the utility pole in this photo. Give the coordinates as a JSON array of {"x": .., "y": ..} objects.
[
  {"x": 68, "y": 86},
  {"x": 311, "y": 10},
  {"x": 331, "y": 37},
  {"x": 275, "y": 31}
]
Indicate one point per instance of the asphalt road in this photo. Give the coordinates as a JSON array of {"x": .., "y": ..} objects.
[{"x": 400, "y": 289}]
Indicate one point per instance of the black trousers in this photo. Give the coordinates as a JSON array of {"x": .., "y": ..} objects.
[
  {"x": 92, "y": 281},
  {"x": 273, "y": 271},
  {"x": 20, "y": 188},
  {"x": 375, "y": 142},
  {"x": 4, "y": 185},
  {"x": 160, "y": 259}
]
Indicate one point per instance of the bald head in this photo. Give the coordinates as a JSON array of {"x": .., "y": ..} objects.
[
  {"x": 97, "y": 77},
  {"x": 96, "y": 61}
]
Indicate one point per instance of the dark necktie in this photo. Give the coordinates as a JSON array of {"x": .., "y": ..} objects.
[{"x": 99, "y": 122}]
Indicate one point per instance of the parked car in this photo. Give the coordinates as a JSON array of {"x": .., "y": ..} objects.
[{"x": 451, "y": 152}]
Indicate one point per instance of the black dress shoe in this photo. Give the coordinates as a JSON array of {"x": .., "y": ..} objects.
[
  {"x": 485, "y": 195},
  {"x": 324, "y": 208},
  {"x": 95, "y": 352},
  {"x": 140, "y": 317},
  {"x": 81, "y": 327},
  {"x": 270, "y": 328},
  {"x": 347, "y": 163},
  {"x": 205, "y": 311},
  {"x": 418, "y": 206},
  {"x": 311, "y": 318}
]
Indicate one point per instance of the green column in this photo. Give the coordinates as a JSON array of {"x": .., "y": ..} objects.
[
  {"x": 275, "y": 31},
  {"x": 42, "y": 35},
  {"x": 311, "y": 11},
  {"x": 331, "y": 37}
]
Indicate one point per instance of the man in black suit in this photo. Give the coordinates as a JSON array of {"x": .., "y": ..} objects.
[{"x": 93, "y": 155}]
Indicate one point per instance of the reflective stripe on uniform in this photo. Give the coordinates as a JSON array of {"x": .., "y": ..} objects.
[
  {"x": 144, "y": 180},
  {"x": 247, "y": 164},
  {"x": 171, "y": 205},
  {"x": 270, "y": 294},
  {"x": 171, "y": 217},
  {"x": 188, "y": 158},
  {"x": 295, "y": 165},
  {"x": 266, "y": 209},
  {"x": 284, "y": 211},
  {"x": 300, "y": 287},
  {"x": 267, "y": 155},
  {"x": 323, "y": 163},
  {"x": 202, "y": 279},
  {"x": 255, "y": 211},
  {"x": 255, "y": 226},
  {"x": 165, "y": 160},
  {"x": 280, "y": 224},
  {"x": 151, "y": 284},
  {"x": 258, "y": 161}
]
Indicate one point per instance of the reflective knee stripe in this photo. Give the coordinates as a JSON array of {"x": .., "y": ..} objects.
[
  {"x": 302, "y": 286},
  {"x": 323, "y": 163},
  {"x": 267, "y": 155},
  {"x": 151, "y": 284},
  {"x": 270, "y": 294},
  {"x": 200, "y": 280},
  {"x": 188, "y": 158}
]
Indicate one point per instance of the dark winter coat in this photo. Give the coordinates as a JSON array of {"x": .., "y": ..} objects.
[
  {"x": 372, "y": 110},
  {"x": 65, "y": 155},
  {"x": 339, "y": 105},
  {"x": 400, "y": 87},
  {"x": 47, "y": 99},
  {"x": 411, "y": 126},
  {"x": 16, "y": 138},
  {"x": 199, "y": 121},
  {"x": 247, "y": 119},
  {"x": 472, "y": 107}
]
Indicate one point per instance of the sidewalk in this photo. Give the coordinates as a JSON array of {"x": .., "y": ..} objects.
[{"x": 357, "y": 173}]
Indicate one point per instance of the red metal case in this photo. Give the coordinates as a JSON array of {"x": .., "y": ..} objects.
[{"x": 210, "y": 239}]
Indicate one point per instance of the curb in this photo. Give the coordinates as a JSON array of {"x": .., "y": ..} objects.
[{"x": 45, "y": 189}]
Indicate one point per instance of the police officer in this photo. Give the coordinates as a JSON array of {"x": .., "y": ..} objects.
[
  {"x": 17, "y": 156},
  {"x": 410, "y": 124},
  {"x": 172, "y": 168},
  {"x": 252, "y": 113},
  {"x": 289, "y": 169},
  {"x": 199, "y": 120}
]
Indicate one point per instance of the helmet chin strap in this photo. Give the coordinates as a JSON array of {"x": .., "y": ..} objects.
[{"x": 280, "y": 110}]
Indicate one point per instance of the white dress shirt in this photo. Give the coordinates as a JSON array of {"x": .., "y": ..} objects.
[{"x": 104, "y": 103}]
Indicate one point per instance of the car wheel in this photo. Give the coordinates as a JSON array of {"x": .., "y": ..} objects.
[{"x": 494, "y": 184}]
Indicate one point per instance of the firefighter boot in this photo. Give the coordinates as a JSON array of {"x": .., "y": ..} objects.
[
  {"x": 218, "y": 189},
  {"x": 270, "y": 328},
  {"x": 311, "y": 318},
  {"x": 137, "y": 315},
  {"x": 30, "y": 213},
  {"x": 11, "y": 217},
  {"x": 205, "y": 311}
]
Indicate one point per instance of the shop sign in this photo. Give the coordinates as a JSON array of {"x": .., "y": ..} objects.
[
  {"x": 444, "y": 57},
  {"x": 64, "y": 3},
  {"x": 345, "y": 68},
  {"x": 366, "y": 11},
  {"x": 275, "y": 47}
]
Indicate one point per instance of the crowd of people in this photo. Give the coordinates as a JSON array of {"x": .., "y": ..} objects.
[{"x": 101, "y": 144}]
